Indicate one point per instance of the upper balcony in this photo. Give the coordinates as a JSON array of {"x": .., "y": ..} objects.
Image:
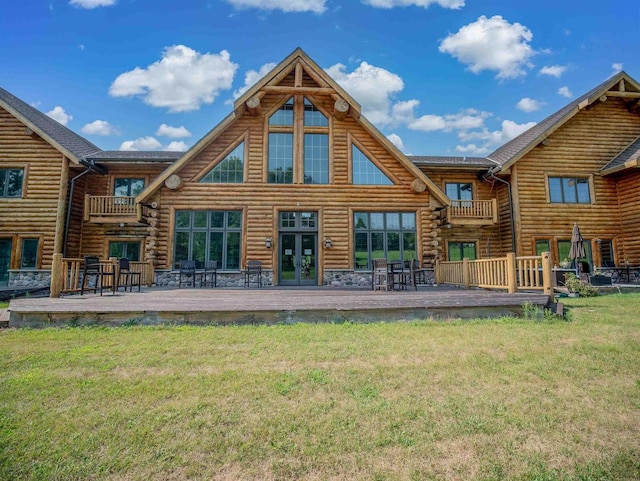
[
  {"x": 473, "y": 212},
  {"x": 109, "y": 209}
]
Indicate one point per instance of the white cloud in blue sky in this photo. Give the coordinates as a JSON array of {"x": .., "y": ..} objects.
[
  {"x": 492, "y": 44},
  {"x": 564, "y": 91},
  {"x": 553, "y": 70},
  {"x": 316, "y": 6},
  {"x": 58, "y": 114},
  {"x": 455, "y": 4},
  {"x": 172, "y": 132},
  {"x": 99, "y": 127},
  {"x": 251, "y": 77},
  {"x": 527, "y": 105},
  {"x": 89, "y": 4},
  {"x": 181, "y": 81}
]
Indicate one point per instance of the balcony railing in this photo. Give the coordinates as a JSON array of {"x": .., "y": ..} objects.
[
  {"x": 112, "y": 209},
  {"x": 468, "y": 212}
]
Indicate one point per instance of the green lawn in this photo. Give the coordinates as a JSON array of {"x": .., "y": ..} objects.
[{"x": 482, "y": 400}]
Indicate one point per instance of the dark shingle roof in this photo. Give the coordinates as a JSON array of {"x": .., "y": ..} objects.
[
  {"x": 50, "y": 129},
  {"x": 630, "y": 153},
  {"x": 448, "y": 161},
  {"x": 135, "y": 156},
  {"x": 531, "y": 137}
]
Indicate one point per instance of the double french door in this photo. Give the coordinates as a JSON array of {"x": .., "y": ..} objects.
[{"x": 298, "y": 245}]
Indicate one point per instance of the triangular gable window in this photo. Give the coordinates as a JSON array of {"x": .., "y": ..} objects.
[
  {"x": 284, "y": 115},
  {"x": 313, "y": 117},
  {"x": 228, "y": 171},
  {"x": 366, "y": 172}
]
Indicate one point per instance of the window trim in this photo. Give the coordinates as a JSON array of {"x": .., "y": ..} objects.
[
  {"x": 475, "y": 242},
  {"x": 351, "y": 141},
  {"x": 573, "y": 175},
  {"x": 244, "y": 137},
  {"x": 25, "y": 173},
  {"x": 110, "y": 239},
  {"x": 458, "y": 182},
  {"x": 16, "y": 246}
]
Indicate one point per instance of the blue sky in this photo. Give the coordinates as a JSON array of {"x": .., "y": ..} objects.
[{"x": 438, "y": 77}]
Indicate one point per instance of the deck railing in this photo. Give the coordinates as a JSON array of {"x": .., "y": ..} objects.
[
  {"x": 485, "y": 211},
  {"x": 66, "y": 273},
  {"x": 109, "y": 208},
  {"x": 511, "y": 273}
]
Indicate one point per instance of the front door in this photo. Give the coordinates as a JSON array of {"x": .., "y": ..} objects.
[
  {"x": 5, "y": 260},
  {"x": 298, "y": 249}
]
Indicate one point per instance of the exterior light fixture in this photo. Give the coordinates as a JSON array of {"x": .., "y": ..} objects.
[
  {"x": 328, "y": 243},
  {"x": 268, "y": 242}
]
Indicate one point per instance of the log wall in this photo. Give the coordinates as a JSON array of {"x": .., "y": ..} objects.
[
  {"x": 261, "y": 201},
  {"x": 580, "y": 148},
  {"x": 34, "y": 215},
  {"x": 629, "y": 194}
]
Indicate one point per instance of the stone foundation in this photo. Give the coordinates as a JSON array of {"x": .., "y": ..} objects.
[
  {"x": 224, "y": 279},
  {"x": 29, "y": 278},
  {"x": 346, "y": 278}
]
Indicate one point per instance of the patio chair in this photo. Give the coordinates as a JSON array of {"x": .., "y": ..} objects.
[
  {"x": 93, "y": 268},
  {"x": 253, "y": 273},
  {"x": 128, "y": 278},
  {"x": 418, "y": 274},
  {"x": 380, "y": 275},
  {"x": 187, "y": 269},
  {"x": 210, "y": 274}
]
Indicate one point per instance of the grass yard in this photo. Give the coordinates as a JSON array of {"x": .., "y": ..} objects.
[{"x": 482, "y": 400}]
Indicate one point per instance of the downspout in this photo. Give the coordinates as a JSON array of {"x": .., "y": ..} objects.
[
  {"x": 491, "y": 175},
  {"x": 91, "y": 167}
]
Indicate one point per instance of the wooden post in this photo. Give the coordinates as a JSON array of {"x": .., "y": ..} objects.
[
  {"x": 150, "y": 274},
  {"x": 116, "y": 269},
  {"x": 547, "y": 279},
  {"x": 62, "y": 204},
  {"x": 56, "y": 276},
  {"x": 436, "y": 272},
  {"x": 87, "y": 203},
  {"x": 494, "y": 206},
  {"x": 512, "y": 282},
  {"x": 466, "y": 273}
]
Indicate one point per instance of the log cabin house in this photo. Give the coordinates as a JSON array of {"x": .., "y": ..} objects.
[{"x": 297, "y": 178}]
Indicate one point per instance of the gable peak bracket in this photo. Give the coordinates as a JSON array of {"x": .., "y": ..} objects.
[{"x": 340, "y": 109}]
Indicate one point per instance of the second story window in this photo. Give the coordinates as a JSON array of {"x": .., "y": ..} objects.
[
  {"x": 11, "y": 182},
  {"x": 230, "y": 170},
  {"x": 569, "y": 190},
  {"x": 459, "y": 191},
  {"x": 298, "y": 121},
  {"x": 125, "y": 187},
  {"x": 365, "y": 172}
]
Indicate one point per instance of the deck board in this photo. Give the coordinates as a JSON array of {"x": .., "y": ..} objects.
[{"x": 267, "y": 305}]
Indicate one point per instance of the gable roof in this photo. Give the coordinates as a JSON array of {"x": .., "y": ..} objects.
[
  {"x": 297, "y": 58},
  {"x": 63, "y": 139},
  {"x": 452, "y": 162},
  {"x": 519, "y": 146},
  {"x": 628, "y": 158}
]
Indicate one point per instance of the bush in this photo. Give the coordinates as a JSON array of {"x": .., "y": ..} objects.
[{"x": 574, "y": 284}]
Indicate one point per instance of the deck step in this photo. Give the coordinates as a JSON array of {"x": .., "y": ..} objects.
[{"x": 4, "y": 318}]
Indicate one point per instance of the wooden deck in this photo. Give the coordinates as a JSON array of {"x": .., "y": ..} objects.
[{"x": 266, "y": 305}]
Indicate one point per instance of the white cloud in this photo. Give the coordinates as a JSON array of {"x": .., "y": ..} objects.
[
  {"x": 142, "y": 143},
  {"x": 172, "y": 132},
  {"x": 396, "y": 140},
  {"x": 492, "y": 44},
  {"x": 453, "y": 4},
  {"x": 176, "y": 146},
  {"x": 491, "y": 139},
  {"x": 403, "y": 111},
  {"x": 553, "y": 70},
  {"x": 99, "y": 127},
  {"x": 251, "y": 77},
  {"x": 89, "y": 4},
  {"x": 58, "y": 113},
  {"x": 181, "y": 81},
  {"x": 315, "y": 6},
  {"x": 465, "y": 120},
  {"x": 373, "y": 87},
  {"x": 617, "y": 68},
  {"x": 565, "y": 92},
  {"x": 527, "y": 104}
]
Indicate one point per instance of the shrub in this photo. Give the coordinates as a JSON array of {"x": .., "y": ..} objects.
[{"x": 574, "y": 284}]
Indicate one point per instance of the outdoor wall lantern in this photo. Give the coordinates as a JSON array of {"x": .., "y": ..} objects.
[
  {"x": 268, "y": 242},
  {"x": 327, "y": 242}
]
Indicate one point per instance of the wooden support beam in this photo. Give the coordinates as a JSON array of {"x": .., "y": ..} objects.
[
  {"x": 340, "y": 109},
  {"x": 621, "y": 87},
  {"x": 298, "y": 75},
  {"x": 56, "y": 276},
  {"x": 418, "y": 185},
  {"x": 547, "y": 281},
  {"x": 626, "y": 95},
  {"x": 512, "y": 280},
  {"x": 283, "y": 89},
  {"x": 253, "y": 106},
  {"x": 30, "y": 133},
  {"x": 173, "y": 182},
  {"x": 603, "y": 98}
]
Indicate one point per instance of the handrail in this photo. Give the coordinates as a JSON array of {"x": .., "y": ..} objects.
[
  {"x": 473, "y": 209},
  {"x": 109, "y": 205},
  {"x": 511, "y": 273}
]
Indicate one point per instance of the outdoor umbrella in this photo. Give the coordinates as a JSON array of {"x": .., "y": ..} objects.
[{"x": 577, "y": 246}]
